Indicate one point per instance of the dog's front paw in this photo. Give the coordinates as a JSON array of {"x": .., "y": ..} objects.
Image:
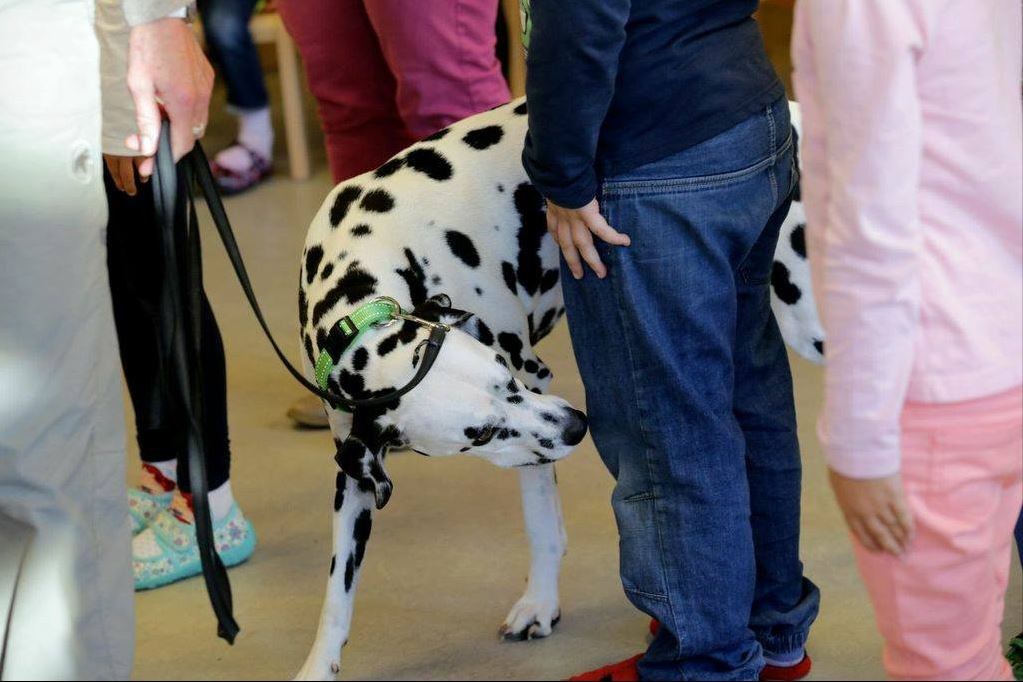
[
  {"x": 317, "y": 670},
  {"x": 530, "y": 618}
]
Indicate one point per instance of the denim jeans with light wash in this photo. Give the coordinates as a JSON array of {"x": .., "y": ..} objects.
[
  {"x": 690, "y": 402},
  {"x": 225, "y": 24}
]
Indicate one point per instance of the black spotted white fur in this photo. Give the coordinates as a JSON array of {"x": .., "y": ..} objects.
[{"x": 451, "y": 228}]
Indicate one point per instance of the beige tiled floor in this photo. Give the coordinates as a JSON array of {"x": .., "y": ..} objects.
[{"x": 448, "y": 555}]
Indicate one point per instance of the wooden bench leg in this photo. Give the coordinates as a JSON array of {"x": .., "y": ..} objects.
[{"x": 294, "y": 114}]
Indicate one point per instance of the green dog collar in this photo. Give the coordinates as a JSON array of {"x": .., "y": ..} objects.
[{"x": 348, "y": 330}]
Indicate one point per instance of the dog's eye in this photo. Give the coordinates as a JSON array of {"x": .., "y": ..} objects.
[{"x": 486, "y": 434}]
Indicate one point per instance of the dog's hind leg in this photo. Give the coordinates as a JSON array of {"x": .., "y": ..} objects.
[
  {"x": 353, "y": 519},
  {"x": 538, "y": 611}
]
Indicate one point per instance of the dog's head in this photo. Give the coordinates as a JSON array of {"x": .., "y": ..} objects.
[{"x": 469, "y": 402}]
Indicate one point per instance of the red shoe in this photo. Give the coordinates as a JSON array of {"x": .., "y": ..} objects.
[
  {"x": 776, "y": 673},
  {"x": 626, "y": 671},
  {"x": 655, "y": 627}
]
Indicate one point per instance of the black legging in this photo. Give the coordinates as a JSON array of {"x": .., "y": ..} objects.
[{"x": 135, "y": 261}]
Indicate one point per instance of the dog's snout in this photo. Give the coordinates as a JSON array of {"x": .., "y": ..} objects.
[{"x": 575, "y": 427}]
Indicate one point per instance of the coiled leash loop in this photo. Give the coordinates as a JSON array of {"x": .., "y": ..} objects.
[{"x": 180, "y": 313}]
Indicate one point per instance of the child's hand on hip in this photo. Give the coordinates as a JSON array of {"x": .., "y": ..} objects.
[
  {"x": 875, "y": 510},
  {"x": 573, "y": 230}
]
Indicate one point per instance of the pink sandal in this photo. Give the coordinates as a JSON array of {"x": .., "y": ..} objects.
[{"x": 231, "y": 182}]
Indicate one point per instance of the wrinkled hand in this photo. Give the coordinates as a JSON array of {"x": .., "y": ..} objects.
[
  {"x": 573, "y": 230},
  {"x": 875, "y": 510},
  {"x": 122, "y": 170},
  {"x": 167, "y": 67}
]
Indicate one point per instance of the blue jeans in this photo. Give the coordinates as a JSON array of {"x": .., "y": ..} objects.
[
  {"x": 690, "y": 402},
  {"x": 225, "y": 24}
]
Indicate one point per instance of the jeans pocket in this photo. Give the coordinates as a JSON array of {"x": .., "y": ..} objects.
[{"x": 641, "y": 566}]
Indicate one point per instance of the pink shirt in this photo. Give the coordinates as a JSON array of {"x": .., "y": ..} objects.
[{"x": 912, "y": 163}]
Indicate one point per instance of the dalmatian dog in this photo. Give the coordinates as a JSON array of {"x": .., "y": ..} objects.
[{"x": 452, "y": 230}]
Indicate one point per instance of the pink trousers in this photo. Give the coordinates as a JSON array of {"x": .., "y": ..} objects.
[
  {"x": 939, "y": 607},
  {"x": 388, "y": 72}
]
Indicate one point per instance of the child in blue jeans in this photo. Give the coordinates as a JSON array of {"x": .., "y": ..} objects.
[{"x": 666, "y": 121}]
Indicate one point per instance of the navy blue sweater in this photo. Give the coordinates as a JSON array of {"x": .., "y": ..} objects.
[{"x": 615, "y": 84}]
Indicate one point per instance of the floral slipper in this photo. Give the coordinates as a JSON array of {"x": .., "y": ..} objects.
[
  {"x": 167, "y": 550},
  {"x": 143, "y": 507},
  {"x": 154, "y": 493},
  {"x": 231, "y": 181}
]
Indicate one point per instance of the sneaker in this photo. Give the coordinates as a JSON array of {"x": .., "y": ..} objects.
[
  {"x": 231, "y": 181},
  {"x": 155, "y": 493},
  {"x": 625, "y": 671},
  {"x": 787, "y": 673},
  {"x": 167, "y": 551},
  {"x": 799, "y": 670},
  {"x": 1015, "y": 656}
]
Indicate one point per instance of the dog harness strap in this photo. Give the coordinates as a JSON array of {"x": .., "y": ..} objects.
[{"x": 344, "y": 334}]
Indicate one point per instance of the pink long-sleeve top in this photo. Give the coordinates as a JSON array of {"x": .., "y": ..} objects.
[{"x": 912, "y": 162}]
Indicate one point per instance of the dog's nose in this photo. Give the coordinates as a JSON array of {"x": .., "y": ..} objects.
[{"x": 575, "y": 428}]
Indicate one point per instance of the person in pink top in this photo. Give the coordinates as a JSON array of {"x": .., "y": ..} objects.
[{"x": 912, "y": 181}]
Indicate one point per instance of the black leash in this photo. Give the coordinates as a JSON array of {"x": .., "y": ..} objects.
[
  {"x": 180, "y": 317},
  {"x": 181, "y": 335}
]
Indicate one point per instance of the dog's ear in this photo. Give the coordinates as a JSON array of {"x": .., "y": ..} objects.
[{"x": 359, "y": 461}]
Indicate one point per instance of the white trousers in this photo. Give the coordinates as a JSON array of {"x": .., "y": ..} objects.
[{"x": 61, "y": 416}]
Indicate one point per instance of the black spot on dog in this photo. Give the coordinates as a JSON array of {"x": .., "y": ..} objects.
[
  {"x": 308, "y": 343},
  {"x": 504, "y": 363},
  {"x": 349, "y": 572},
  {"x": 472, "y": 432},
  {"x": 485, "y": 137},
  {"x": 360, "y": 358},
  {"x": 430, "y": 163},
  {"x": 546, "y": 443},
  {"x": 512, "y": 386},
  {"x": 328, "y": 270},
  {"x": 549, "y": 418},
  {"x": 360, "y": 533},
  {"x": 355, "y": 285},
  {"x": 543, "y": 373},
  {"x": 508, "y": 271},
  {"x": 463, "y": 248},
  {"x": 784, "y": 289},
  {"x": 530, "y": 366},
  {"x": 532, "y": 227},
  {"x": 342, "y": 202},
  {"x": 483, "y": 333},
  {"x": 549, "y": 280},
  {"x": 541, "y": 459},
  {"x": 377, "y": 201},
  {"x": 479, "y": 292},
  {"x": 333, "y": 563},
  {"x": 312, "y": 263},
  {"x": 436, "y": 280},
  {"x": 437, "y": 135},
  {"x": 798, "y": 240},
  {"x": 361, "y": 230},
  {"x": 387, "y": 345},
  {"x": 339, "y": 490},
  {"x": 352, "y": 384},
  {"x": 514, "y": 399},
  {"x": 797, "y": 192},
  {"x": 414, "y": 277},
  {"x": 819, "y": 345},
  {"x": 521, "y": 109},
  {"x": 544, "y": 328},
  {"x": 303, "y": 306},
  {"x": 465, "y": 449},
  {"x": 389, "y": 168},
  {"x": 536, "y": 391},
  {"x": 500, "y": 188}
]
